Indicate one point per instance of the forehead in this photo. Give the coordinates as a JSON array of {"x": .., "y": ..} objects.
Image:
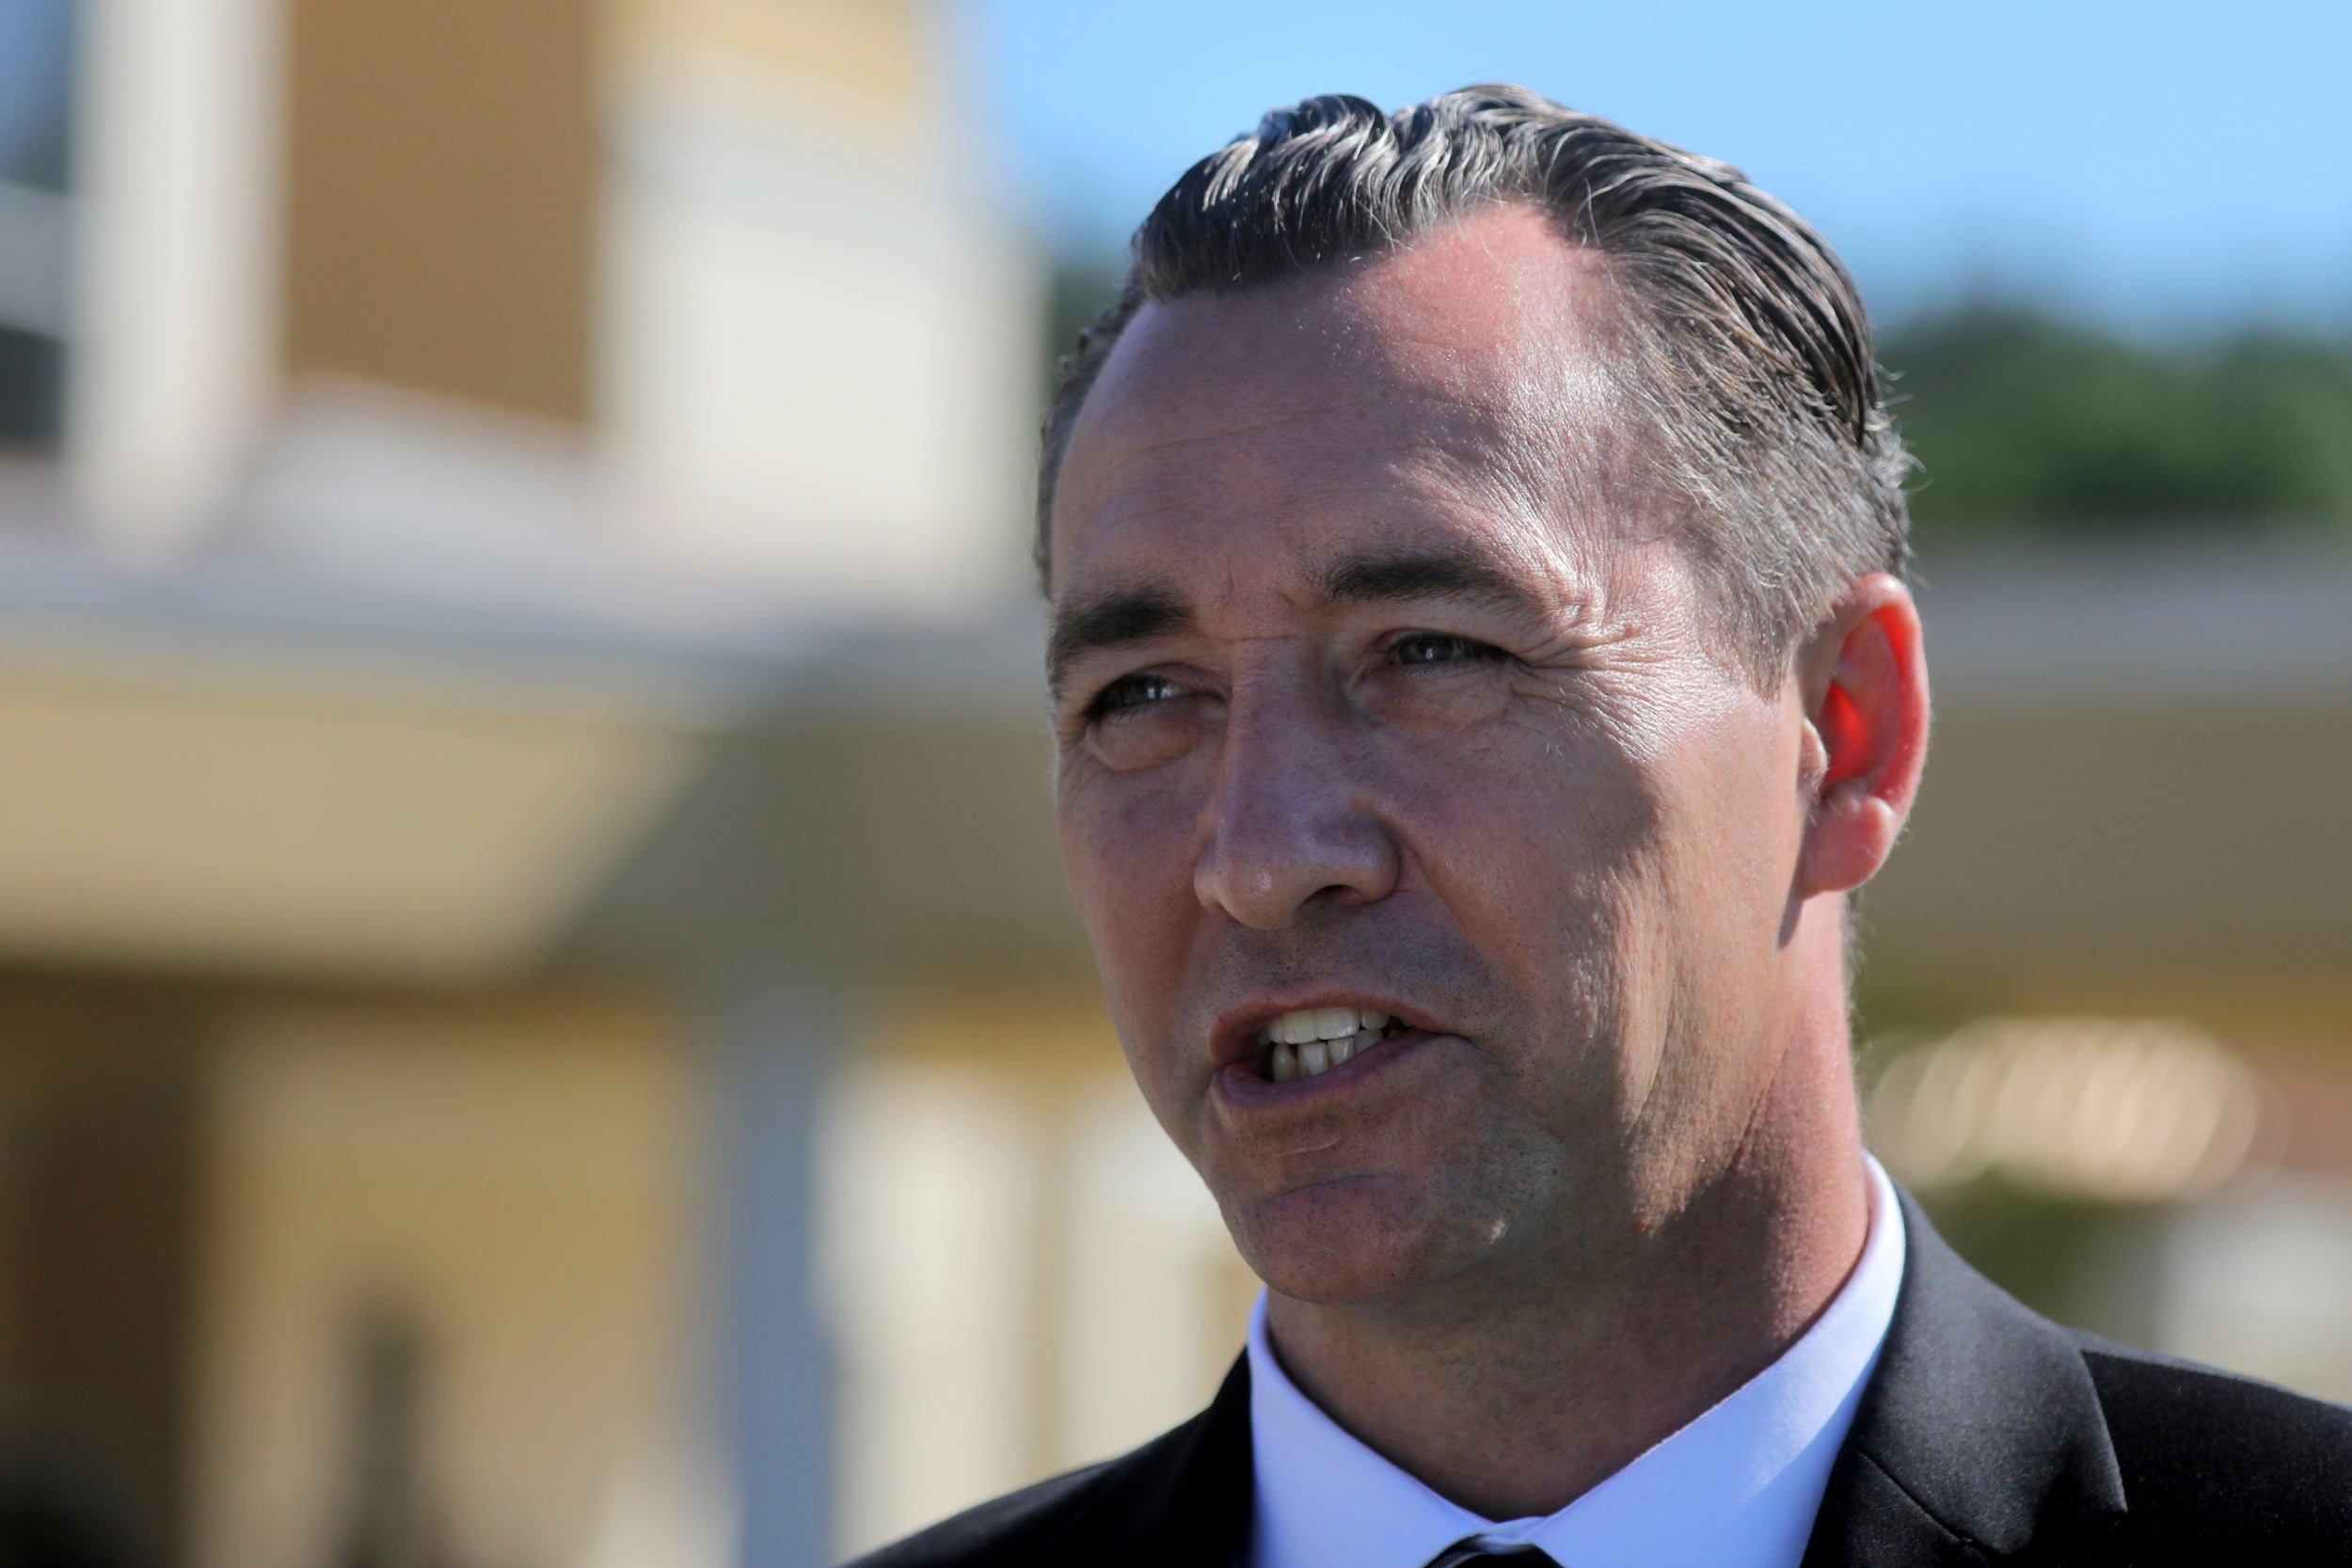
[{"x": 1462, "y": 382}]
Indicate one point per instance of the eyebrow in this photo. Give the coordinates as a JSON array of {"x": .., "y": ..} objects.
[
  {"x": 1396, "y": 576},
  {"x": 1119, "y": 619}
]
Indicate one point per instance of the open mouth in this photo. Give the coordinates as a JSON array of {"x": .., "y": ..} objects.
[{"x": 1314, "y": 1040}]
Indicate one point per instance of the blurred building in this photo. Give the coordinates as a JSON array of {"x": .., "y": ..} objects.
[
  {"x": 538, "y": 1023},
  {"x": 515, "y": 670}
]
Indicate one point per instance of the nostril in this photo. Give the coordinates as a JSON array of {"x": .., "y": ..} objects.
[{"x": 1267, "y": 869}]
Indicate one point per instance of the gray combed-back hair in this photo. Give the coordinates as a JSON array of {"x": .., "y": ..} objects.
[{"x": 1752, "y": 362}]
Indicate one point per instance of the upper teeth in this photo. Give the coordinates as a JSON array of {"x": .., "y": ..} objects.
[
  {"x": 1323, "y": 1023},
  {"x": 1316, "y": 1040}
]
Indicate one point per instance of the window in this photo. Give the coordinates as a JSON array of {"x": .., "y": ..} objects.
[{"x": 36, "y": 166}]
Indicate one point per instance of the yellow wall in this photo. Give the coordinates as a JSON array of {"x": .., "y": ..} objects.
[
  {"x": 517, "y": 1181},
  {"x": 442, "y": 165},
  {"x": 876, "y": 52},
  {"x": 444, "y": 160}
]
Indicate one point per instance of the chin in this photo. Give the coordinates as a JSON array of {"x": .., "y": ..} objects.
[{"x": 1354, "y": 1241}]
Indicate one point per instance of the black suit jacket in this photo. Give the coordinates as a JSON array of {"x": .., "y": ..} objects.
[{"x": 1988, "y": 1436}]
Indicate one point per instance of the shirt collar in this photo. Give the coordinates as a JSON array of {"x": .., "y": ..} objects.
[{"x": 1737, "y": 1488}]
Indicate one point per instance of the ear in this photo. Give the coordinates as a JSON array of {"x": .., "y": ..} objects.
[{"x": 1863, "y": 683}]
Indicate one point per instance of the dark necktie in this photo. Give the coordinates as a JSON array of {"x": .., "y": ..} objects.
[{"x": 1522, "y": 1555}]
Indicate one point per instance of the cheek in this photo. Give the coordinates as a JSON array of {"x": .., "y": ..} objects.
[
  {"x": 1545, "y": 848},
  {"x": 1724, "y": 908},
  {"x": 1122, "y": 858},
  {"x": 1534, "y": 840},
  {"x": 1741, "y": 823},
  {"x": 1525, "y": 829},
  {"x": 1127, "y": 854}
]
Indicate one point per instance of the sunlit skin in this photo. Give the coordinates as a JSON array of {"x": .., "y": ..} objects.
[{"x": 1382, "y": 679}]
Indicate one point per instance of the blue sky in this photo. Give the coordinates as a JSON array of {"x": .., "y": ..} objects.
[{"x": 2157, "y": 163}]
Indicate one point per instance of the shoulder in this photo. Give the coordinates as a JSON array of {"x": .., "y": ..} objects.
[
  {"x": 1988, "y": 1428},
  {"x": 2209, "y": 1458}
]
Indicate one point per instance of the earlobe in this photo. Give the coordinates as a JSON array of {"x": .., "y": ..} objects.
[{"x": 1870, "y": 721}]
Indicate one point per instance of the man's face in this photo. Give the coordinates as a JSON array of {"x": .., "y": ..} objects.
[{"x": 1380, "y": 684}]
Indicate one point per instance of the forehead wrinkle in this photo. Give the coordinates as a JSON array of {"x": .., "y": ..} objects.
[
  {"x": 1137, "y": 482},
  {"x": 1156, "y": 454},
  {"x": 1290, "y": 414},
  {"x": 1418, "y": 468}
]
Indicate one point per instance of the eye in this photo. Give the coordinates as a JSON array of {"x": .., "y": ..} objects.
[
  {"x": 1439, "y": 648},
  {"x": 1146, "y": 720},
  {"x": 1129, "y": 692}
]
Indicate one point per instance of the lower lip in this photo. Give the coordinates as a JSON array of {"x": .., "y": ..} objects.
[{"x": 1244, "y": 1082}]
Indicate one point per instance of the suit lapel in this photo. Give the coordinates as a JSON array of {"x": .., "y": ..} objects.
[{"x": 1979, "y": 1436}]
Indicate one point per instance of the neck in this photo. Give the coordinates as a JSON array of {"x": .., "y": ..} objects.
[{"x": 1516, "y": 1402}]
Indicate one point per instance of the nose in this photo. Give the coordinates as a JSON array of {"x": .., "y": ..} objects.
[{"x": 1291, "y": 825}]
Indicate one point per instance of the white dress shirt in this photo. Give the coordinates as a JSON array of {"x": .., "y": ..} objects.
[{"x": 1737, "y": 1488}]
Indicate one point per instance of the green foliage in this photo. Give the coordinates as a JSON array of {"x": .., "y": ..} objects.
[
  {"x": 1080, "y": 293},
  {"x": 2021, "y": 421},
  {"x": 2074, "y": 1261}
]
